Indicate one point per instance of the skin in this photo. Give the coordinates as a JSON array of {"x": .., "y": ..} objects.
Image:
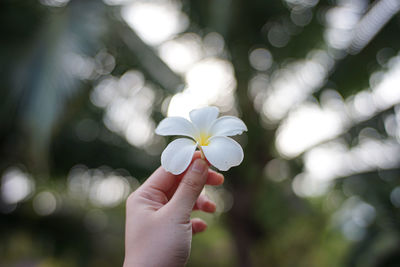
[{"x": 159, "y": 229}]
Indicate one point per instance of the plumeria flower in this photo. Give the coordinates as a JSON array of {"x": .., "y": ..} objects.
[{"x": 207, "y": 133}]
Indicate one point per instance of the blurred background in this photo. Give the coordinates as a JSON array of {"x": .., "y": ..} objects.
[{"x": 84, "y": 83}]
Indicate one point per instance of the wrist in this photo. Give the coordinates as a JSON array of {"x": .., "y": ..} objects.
[{"x": 131, "y": 262}]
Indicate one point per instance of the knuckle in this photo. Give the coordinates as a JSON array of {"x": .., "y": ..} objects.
[
  {"x": 154, "y": 194},
  {"x": 130, "y": 199},
  {"x": 192, "y": 184}
]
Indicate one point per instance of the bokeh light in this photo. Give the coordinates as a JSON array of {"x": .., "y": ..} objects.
[
  {"x": 155, "y": 22},
  {"x": 44, "y": 203},
  {"x": 16, "y": 185}
]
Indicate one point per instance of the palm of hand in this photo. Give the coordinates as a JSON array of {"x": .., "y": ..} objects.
[{"x": 158, "y": 225}]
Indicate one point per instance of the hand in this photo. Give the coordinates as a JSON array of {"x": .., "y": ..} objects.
[{"x": 158, "y": 225}]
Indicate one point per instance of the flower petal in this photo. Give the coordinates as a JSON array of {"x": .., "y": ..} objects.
[
  {"x": 176, "y": 126},
  {"x": 177, "y": 155},
  {"x": 223, "y": 152},
  {"x": 227, "y": 126},
  {"x": 203, "y": 118}
]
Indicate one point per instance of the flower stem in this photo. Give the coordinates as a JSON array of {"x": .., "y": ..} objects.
[{"x": 201, "y": 152}]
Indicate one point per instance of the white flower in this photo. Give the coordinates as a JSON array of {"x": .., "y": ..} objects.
[{"x": 209, "y": 135}]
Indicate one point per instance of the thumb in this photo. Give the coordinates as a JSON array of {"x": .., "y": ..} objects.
[{"x": 189, "y": 189}]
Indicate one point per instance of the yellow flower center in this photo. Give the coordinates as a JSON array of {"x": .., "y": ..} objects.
[{"x": 203, "y": 139}]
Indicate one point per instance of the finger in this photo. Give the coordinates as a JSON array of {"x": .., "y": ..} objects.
[
  {"x": 214, "y": 178},
  {"x": 189, "y": 189},
  {"x": 203, "y": 203},
  {"x": 179, "y": 177},
  {"x": 198, "y": 225},
  {"x": 157, "y": 186},
  {"x": 164, "y": 180},
  {"x": 197, "y": 155}
]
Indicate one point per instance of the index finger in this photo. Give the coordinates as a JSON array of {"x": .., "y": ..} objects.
[{"x": 164, "y": 181}]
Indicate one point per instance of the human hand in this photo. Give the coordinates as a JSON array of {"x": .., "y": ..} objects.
[{"x": 158, "y": 228}]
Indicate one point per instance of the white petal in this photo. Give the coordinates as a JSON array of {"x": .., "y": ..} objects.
[
  {"x": 203, "y": 118},
  {"x": 223, "y": 152},
  {"x": 227, "y": 126},
  {"x": 176, "y": 126},
  {"x": 177, "y": 155}
]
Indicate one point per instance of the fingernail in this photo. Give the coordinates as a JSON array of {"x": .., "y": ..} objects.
[{"x": 199, "y": 166}]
